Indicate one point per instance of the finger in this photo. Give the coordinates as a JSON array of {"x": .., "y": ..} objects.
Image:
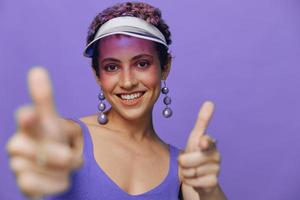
[
  {"x": 197, "y": 158},
  {"x": 21, "y": 144},
  {"x": 55, "y": 154},
  {"x": 21, "y": 165},
  {"x": 203, "y": 182},
  {"x": 34, "y": 184},
  {"x": 210, "y": 168},
  {"x": 204, "y": 116},
  {"x": 41, "y": 91},
  {"x": 27, "y": 120},
  {"x": 207, "y": 143}
]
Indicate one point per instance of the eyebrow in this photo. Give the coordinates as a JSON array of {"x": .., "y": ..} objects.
[
  {"x": 110, "y": 59},
  {"x": 140, "y": 56},
  {"x": 134, "y": 58}
]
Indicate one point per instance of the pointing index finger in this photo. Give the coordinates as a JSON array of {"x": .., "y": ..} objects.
[
  {"x": 41, "y": 91},
  {"x": 204, "y": 116}
]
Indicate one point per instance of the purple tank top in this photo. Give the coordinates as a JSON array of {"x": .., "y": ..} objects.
[{"x": 91, "y": 183}]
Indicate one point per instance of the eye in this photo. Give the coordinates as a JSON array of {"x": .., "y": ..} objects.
[
  {"x": 143, "y": 64},
  {"x": 111, "y": 68}
]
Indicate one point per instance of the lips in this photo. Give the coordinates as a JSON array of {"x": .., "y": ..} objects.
[{"x": 131, "y": 98}]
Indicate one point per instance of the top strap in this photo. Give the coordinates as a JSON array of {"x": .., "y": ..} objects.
[{"x": 87, "y": 140}]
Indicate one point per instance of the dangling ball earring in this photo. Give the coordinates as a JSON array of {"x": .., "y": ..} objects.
[
  {"x": 102, "y": 118},
  {"x": 167, "y": 112}
]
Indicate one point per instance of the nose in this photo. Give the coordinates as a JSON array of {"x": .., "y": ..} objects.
[{"x": 128, "y": 79}]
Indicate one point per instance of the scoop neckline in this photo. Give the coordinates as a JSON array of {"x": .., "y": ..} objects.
[{"x": 157, "y": 188}]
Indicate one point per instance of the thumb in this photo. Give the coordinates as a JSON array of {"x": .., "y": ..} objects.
[{"x": 207, "y": 143}]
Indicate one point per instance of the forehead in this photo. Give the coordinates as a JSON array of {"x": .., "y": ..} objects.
[{"x": 115, "y": 45}]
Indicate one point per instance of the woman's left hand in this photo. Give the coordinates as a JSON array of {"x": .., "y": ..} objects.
[{"x": 199, "y": 164}]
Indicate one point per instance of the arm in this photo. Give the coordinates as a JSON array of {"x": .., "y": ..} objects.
[
  {"x": 189, "y": 193},
  {"x": 45, "y": 148},
  {"x": 199, "y": 164}
]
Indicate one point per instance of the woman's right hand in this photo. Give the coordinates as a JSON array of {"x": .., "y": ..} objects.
[{"x": 45, "y": 148}]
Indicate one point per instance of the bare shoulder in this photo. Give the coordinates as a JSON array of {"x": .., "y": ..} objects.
[
  {"x": 71, "y": 126},
  {"x": 89, "y": 120},
  {"x": 92, "y": 124},
  {"x": 74, "y": 131}
]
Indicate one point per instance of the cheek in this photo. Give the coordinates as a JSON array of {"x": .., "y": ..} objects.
[
  {"x": 152, "y": 78},
  {"x": 107, "y": 81}
]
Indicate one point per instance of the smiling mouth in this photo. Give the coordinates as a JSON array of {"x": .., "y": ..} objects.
[{"x": 131, "y": 96}]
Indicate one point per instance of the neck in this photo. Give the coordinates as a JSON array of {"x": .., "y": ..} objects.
[{"x": 136, "y": 129}]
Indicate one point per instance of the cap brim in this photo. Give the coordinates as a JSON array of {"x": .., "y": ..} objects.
[{"x": 130, "y": 31}]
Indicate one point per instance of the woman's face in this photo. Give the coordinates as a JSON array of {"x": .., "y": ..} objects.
[{"x": 130, "y": 74}]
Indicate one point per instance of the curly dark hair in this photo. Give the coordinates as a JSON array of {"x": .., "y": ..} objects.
[{"x": 137, "y": 9}]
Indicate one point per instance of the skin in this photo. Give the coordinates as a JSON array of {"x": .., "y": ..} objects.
[
  {"x": 199, "y": 164},
  {"x": 127, "y": 148},
  {"x": 40, "y": 129}
]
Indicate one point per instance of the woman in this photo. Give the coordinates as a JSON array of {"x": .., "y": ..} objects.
[{"x": 123, "y": 156}]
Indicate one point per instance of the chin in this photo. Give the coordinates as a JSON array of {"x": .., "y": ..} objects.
[{"x": 134, "y": 114}]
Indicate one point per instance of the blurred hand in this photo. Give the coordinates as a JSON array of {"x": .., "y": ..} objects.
[
  {"x": 44, "y": 149},
  {"x": 200, "y": 163}
]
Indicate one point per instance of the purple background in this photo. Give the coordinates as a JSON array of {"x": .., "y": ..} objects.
[{"x": 243, "y": 55}]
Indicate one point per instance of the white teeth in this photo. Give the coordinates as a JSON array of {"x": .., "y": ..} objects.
[{"x": 131, "y": 96}]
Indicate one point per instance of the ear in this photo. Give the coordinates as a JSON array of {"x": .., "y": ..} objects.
[
  {"x": 96, "y": 77},
  {"x": 166, "y": 68}
]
